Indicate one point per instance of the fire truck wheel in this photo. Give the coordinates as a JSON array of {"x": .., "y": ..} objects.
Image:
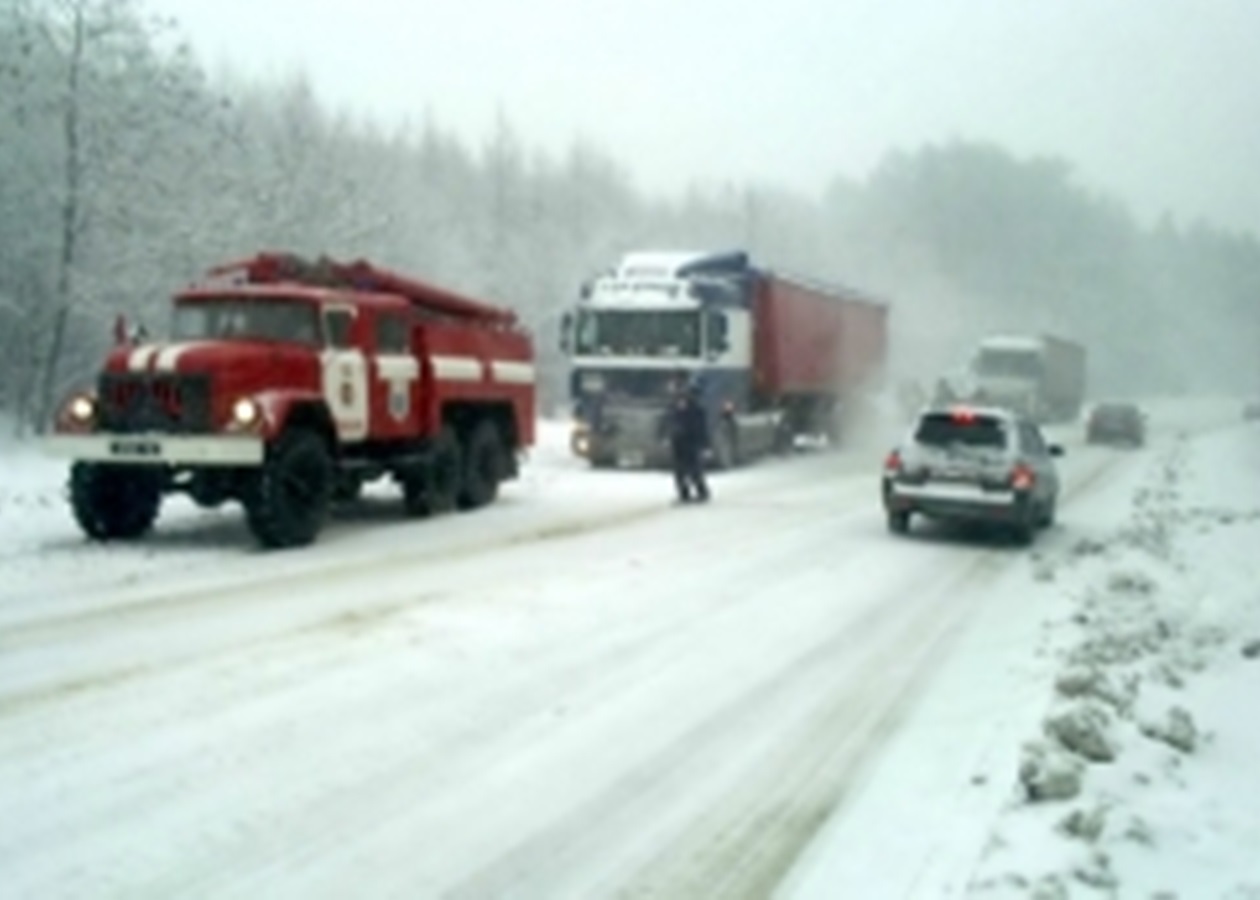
[
  {"x": 114, "y": 501},
  {"x": 291, "y": 496},
  {"x": 347, "y": 488},
  {"x": 435, "y": 489},
  {"x": 483, "y": 466}
]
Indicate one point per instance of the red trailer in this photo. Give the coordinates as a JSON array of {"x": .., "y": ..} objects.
[{"x": 815, "y": 345}]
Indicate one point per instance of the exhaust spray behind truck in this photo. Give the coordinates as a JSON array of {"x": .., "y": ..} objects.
[{"x": 776, "y": 357}]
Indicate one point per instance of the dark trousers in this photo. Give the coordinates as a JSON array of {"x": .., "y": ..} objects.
[{"x": 689, "y": 474}]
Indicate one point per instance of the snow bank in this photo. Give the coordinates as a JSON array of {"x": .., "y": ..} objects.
[{"x": 1143, "y": 782}]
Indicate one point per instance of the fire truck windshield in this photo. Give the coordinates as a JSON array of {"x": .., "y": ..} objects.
[
  {"x": 638, "y": 333},
  {"x": 245, "y": 319}
]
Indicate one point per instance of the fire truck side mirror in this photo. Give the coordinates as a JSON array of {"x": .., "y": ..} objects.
[{"x": 129, "y": 333}]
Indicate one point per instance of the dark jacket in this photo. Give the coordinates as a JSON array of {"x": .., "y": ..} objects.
[{"x": 688, "y": 426}]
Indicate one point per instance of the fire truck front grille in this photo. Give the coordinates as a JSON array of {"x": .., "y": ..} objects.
[{"x": 176, "y": 404}]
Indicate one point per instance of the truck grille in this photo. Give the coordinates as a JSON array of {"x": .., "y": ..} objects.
[{"x": 174, "y": 404}]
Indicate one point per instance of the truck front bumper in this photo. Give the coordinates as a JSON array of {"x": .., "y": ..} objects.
[{"x": 158, "y": 449}]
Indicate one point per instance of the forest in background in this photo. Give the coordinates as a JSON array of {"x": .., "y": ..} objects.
[{"x": 126, "y": 170}]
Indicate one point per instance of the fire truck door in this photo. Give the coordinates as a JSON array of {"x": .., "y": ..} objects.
[{"x": 345, "y": 376}]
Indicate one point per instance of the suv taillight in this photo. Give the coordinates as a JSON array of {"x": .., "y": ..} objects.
[
  {"x": 892, "y": 463},
  {"x": 1022, "y": 477}
]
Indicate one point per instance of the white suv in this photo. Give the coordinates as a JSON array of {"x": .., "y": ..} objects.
[{"x": 974, "y": 465}]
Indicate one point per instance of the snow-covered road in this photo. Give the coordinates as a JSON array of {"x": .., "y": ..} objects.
[{"x": 580, "y": 692}]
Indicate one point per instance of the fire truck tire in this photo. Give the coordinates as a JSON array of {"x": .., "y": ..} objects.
[
  {"x": 114, "y": 502},
  {"x": 435, "y": 488},
  {"x": 347, "y": 488},
  {"x": 293, "y": 491},
  {"x": 483, "y": 466}
]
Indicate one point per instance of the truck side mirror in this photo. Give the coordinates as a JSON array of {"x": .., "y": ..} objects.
[
  {"x": 716, "y": 329},
  {"x": 566, "y": 332}
]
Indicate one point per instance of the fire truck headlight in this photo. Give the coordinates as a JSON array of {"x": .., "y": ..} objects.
[
  {"x": 81, "y": 409},
  {"x": 246, "y": 412}
]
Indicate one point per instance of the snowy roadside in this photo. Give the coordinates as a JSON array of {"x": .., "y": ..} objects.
[
  {"x": 1140, "y": 603},
  {"x": 1142, "y": 782}
]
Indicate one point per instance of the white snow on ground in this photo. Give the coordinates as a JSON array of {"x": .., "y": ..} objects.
[
  {"x": 1094, "y": 734},
  {"x": 581, "y": 692}
]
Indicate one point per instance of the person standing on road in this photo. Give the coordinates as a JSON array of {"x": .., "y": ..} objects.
[{"x": 689, "y": 439}]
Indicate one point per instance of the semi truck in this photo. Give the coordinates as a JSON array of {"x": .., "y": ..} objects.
[
  {"x": 1039, "y": 376},
  {"x": 775, "y": 356},
  {"x": 287, "y": 384}
]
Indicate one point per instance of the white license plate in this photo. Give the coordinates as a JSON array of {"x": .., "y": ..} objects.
[
  {"x": 631, "y": 458},
  {"x": 135, "y": 449}
]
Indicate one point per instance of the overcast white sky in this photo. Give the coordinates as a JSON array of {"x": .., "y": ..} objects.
[{"x": 1157, "y": 102}]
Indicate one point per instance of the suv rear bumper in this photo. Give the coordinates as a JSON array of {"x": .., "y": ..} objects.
[{"x": 958, "y": 502}]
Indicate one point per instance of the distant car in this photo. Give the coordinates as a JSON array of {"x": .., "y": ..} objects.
[
  {"x": 973, "y": 465},
  {"x": 1116, "y": 423},
  {"x": 1251, "y": 411}
]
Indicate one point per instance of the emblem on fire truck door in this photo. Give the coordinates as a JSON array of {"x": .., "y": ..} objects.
[{"x": 399, "y": 399}]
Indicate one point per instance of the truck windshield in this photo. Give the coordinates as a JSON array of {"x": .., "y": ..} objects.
[
  {"x": 1008, "y": 364},
  {"x": 236, "y": 318},
  {"x": 638, "y": 333}
]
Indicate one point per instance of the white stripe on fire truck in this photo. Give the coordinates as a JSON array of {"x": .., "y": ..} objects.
[
  {"x": 168, "y": 359},
  {"x": 138, "y": 359},
  {"x": 457, "y": 368},
  {"x": 398, "y": 367},
  {"x": 168, "y": 356},
  {"x": 512, "y": 372}
]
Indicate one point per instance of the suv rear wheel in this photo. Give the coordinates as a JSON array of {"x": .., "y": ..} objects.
[{"x": 1023, "y": 531}]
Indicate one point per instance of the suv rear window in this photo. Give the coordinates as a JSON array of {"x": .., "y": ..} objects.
[{"x": 946, "y": 429}]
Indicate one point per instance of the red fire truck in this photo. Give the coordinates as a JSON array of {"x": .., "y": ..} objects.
[{"x": 286, "y": 385}]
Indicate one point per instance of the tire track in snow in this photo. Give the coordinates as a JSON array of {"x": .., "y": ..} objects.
[
  {"x": 22, "y": 616},
  {"x": 316, "y": 819},
  {"x": 765, "y": 801}
]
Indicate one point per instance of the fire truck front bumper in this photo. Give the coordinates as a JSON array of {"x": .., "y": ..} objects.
[{"x": 158, "y": 449}]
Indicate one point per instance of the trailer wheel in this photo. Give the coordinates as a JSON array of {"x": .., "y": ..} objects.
[
  {"x": 292, "y": 492},
  {"x": 725, "y": 447},
  {"x": 435, "y": 488},
  {"x": 483, "y": 466},
  {"x": 114, "y": 502}
]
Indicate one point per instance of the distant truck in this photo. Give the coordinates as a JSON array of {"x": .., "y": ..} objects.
[
  {"x": 1042, "y": 377},
  {"x": 287, "y": 384},
  {"x": 776, "y": 357}
]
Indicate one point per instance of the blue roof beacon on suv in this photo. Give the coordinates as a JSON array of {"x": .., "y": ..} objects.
[{"x": 973, "y": 464}]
